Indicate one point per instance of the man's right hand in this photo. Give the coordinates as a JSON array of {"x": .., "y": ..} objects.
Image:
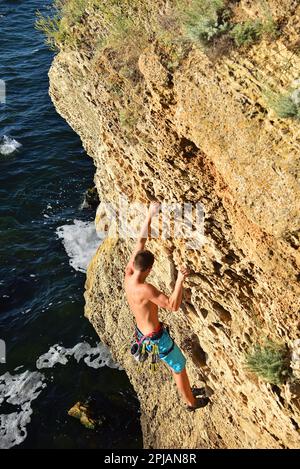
[{"x": 183, "y": 273}]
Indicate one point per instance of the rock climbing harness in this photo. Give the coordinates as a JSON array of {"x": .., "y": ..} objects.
[
  {"x": 143, "y": 345},
  {"x": 155, "y": 357}
]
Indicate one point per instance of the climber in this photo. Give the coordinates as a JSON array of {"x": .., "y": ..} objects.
[{"x": 144, "y": 300}]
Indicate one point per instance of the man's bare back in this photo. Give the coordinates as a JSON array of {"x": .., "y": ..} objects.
[{"x": 138, "y": 295}]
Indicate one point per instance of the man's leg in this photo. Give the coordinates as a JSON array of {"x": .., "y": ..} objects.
[
  {"x": 176, "y": 361},
  {"x": 183, "y": 385}
]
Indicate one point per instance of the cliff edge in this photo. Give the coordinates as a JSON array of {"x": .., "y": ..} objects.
[{"x": 195, "y": 126}]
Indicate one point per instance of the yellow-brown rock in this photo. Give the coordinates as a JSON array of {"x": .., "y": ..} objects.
[
  {"x": 202, "y": 133},
  {"x": 81, "y": 412}
]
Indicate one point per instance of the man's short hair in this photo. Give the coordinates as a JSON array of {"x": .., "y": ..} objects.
[{"x": 143, "y": 261}]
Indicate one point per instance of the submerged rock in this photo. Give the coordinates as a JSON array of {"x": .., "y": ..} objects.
[
  {"x": 88, "y": 415},
  {"x": 91, "y": 198}
]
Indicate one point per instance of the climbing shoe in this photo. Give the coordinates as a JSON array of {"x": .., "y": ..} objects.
[
  {"x": 198, "y": 392},
  {"x": 200, "y": 402}
]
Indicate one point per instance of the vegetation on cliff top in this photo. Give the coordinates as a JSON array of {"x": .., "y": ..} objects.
[
  {"x": 122, "y": 29},
  {"x": 134, "y": 22}
]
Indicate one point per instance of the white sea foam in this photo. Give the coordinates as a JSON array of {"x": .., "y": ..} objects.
[
  {"x": 19, "y": 390},
  {"x": 80, "y": 241},
  {"x": 8, "y": 145},
  {"x": 95, "y": 357}
]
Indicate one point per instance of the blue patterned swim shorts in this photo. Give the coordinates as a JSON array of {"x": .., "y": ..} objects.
[{"x": 169, "y": 352}]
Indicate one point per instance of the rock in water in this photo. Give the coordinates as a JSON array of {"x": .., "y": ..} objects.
[
  {"x": 91, "y": 198},
  {"x": 88, "y": 417}
]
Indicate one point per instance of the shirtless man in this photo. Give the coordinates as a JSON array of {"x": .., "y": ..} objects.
[{"x": 144, "y": 300}]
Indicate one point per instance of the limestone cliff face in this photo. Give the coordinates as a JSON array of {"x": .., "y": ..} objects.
[{"x": 201, "y": 132}]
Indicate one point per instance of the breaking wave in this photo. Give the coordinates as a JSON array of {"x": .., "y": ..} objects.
[
  {"x": 94, "y": 357},
  {"x": 80, "y": 241},
  {"x": 18, "y": 390},
  {"x": 8, "y": 145}
]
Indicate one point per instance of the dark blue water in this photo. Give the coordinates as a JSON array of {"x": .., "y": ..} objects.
[{"x": 41, "y": 296}]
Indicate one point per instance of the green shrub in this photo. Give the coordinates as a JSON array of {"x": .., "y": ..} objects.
[
  {"x": 247, "y": 33},
  {"x": 50, "y": 26},
  {"x": 251, "y": 31},
  {"x": 284, "y": 105},
  {"x": 57, "y": 25},
  {"x": 270, "y": 27},
  {"x": 202, "y": 20},
  {"x": 269, "y": 361}
]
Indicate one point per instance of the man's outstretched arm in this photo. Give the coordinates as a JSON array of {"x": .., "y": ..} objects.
[
  {"x": 144, "y": 233},
  {"x": 173, "y": 302}
]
